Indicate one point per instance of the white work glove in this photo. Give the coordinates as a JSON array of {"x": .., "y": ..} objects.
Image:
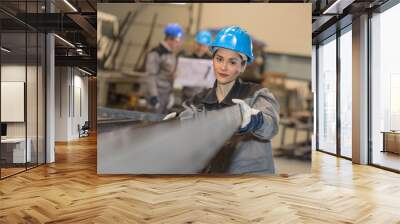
[
  {"x": 169, "y": 116},
  {"x": 252, "y": 119},
  {"x": 171, "y": 101},
  {"x": 190, "y": 112}
]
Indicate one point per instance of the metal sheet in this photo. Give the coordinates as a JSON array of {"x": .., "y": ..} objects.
[{"x": 173, "y": 147}]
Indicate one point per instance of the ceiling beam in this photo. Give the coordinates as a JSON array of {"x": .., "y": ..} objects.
[
  {"x": 81, "y": 61},
  {"x": 84, "y": 24}
]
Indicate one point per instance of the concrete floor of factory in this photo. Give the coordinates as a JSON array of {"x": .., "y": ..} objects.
[{"x": 70, "y": 191}]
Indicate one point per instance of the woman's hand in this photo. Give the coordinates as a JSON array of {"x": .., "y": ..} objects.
[
  {"x": 252, "y": 119},
  {"x": 189, "y": 112}
]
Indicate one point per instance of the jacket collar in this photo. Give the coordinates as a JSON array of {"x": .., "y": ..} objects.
[
  {"x": 211, "y": 96},
  {"x": 165, "y": 46}
]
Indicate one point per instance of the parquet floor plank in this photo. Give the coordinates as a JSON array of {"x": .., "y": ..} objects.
[{"x": 70, "y": 191}]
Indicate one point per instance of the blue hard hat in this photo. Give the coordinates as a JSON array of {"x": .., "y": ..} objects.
[
  {"x": 173, "y": 30},
  {"x": 204, "y": 37},
  {"x": 235, "y": 39}
]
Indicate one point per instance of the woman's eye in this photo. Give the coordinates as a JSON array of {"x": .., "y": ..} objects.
[
  {"x": 233, "y": 62},
  {"x": 219, "y": 59}
]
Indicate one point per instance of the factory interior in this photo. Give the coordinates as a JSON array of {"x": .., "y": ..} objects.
[
  {"x": 84, "y": 139},
  {"x": 284, "y": 70}
]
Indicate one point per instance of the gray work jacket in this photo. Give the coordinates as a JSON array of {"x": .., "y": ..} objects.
[
  {"x": 242, "y": 153},
  {"x": 160, "y": 68}
]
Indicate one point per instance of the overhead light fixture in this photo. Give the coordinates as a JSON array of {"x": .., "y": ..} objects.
[
  {"x": 70, "y": 5},
  {"x": 86, "y": 72},
  {"x": 5, "y": 50},
  {"x": 80, "y": 51},
  {"x": 65, "y": 41}
]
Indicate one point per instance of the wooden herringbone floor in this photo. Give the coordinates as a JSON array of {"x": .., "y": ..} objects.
[{"x": 70, "y": 191}]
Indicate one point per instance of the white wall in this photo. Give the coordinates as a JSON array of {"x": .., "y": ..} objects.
[
  {"x": 62, "y": 80},
  {"x": 286, "y": 28},
  {"x": 71, "y": 93},
  {"x": 12, "y": 73},
  {"x": 12, "y": 100},
  {"x": 33, "y": 126},
  {"x": 80, "y": 94}
]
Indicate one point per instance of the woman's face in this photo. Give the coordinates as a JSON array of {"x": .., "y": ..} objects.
[
  {"x": 174, "y": 43},
  {"x": 227, "y": 65}
]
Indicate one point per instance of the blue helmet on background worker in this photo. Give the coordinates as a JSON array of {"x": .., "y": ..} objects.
[
  {"x": 173, "y": 30},
  {"x": 235, "y": 39},
  {"x": 204, "y": 37}
]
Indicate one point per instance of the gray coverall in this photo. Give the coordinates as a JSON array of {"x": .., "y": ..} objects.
[
  {"x": 160, "y": 68},
  {"x": 242, "y": 153}
]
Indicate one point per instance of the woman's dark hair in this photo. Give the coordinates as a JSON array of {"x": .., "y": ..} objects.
[{"x": 243, "y": 62}]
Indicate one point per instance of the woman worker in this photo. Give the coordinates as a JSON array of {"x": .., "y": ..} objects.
[{"x": 249, "y": 150}]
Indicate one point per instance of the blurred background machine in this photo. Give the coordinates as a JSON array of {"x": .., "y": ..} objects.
[{"x": 296, "y": 112}]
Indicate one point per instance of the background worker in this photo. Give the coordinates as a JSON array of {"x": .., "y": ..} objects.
[
  {"x": 160, "y": 67},
  {"x": 203, "y": 41}
]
